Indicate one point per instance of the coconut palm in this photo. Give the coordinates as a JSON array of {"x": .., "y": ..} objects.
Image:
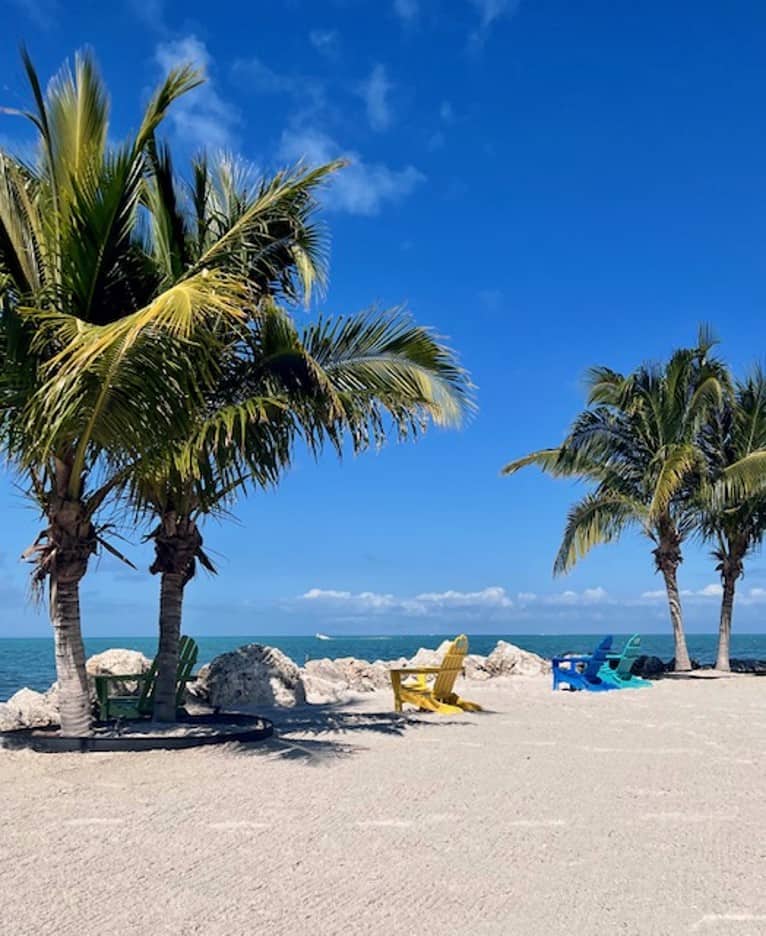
[
  {"x": 103, "y": 357},
  {"x": 733, "y": 519},
  {"x": 337, "y": 377},
  {"x": 637, "y": 444}
]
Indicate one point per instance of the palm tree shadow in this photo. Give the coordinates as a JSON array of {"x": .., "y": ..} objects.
[{"x": 319, "y": 734}]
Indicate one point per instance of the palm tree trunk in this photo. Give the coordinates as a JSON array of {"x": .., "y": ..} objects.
[
  {"x": 722, "y": 661},
  {"x": 73, "y": 694},
  {"x": 171, "y": 604},
  {"x": 177, "y": 544},
  {"x": 682, "y": 661}
]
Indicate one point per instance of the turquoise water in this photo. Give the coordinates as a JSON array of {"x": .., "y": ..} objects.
[{"x": 29, "y": 662}]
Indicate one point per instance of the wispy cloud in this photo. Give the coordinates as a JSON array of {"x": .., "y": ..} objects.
[
  {"x": 151, "y": 13},
  {"x": 261, "y": 78},
  {"x": 490, "y": 11},
  {"x": 447, "y": 112},
  {"x": 374, "y": 91},
  {"x": 713, "y": 590},
  {"x": 43, "y": 13},
  {"x": 407, "y": 10},
  {"x": 422, "y": 604},
  {"x": 202, "y": 118},
  {"x": 326, "y": 42},
  {"x": 362, "y": 188},
  {"x": 588, "y": 596}
]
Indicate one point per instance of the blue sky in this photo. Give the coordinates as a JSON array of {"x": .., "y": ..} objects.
[{"x": 550, "y": 185}]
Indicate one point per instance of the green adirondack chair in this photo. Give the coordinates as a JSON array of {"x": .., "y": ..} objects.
[
  {"x": 620, "y": 676},
  {"x": 141, "y": 705}
]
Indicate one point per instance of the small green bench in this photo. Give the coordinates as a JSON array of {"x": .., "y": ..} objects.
[{"x": 141, "y": 705}]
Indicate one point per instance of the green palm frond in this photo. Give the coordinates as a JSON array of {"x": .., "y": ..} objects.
[{"x": 598, "y": 518}]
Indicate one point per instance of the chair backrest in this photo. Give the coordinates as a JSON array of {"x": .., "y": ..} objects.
[
  {"x": 598, "y": 658},
  {"x": 451, "y": 665},
  {"x": 630, "y": 651},
  {"x": 188, "y": 651},
  {"x": 187, "y": 657}
]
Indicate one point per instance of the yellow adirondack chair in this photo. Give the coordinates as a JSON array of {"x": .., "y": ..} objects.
[{"x": 437, "y": 696}]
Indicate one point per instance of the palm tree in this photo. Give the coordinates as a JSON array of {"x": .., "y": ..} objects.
[
  {"x": 100, "y": 352},
  {"x": 274, "y": 384},
  {"x": 733, "y": 519},
  {"x": 637, "y": 443}
]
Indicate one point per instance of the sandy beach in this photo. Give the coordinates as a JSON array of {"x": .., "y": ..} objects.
[{"x": 637, "y": 812}]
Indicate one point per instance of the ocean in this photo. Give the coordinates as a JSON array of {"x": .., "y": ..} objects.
[{"x": 29, "y": 661}]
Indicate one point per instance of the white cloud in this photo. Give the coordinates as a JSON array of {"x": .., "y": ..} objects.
[
  {"x": 321, "y": 594},
  {"x": 713, "y": 590},
  {"x": 361, "y": 188},
  {"x": 489, "y": 12},
  {"x": 374, "y": 91},
  {"x": 494, "y": 596},
  {"x": 588, "y": 596},
  {"x": 326, "y": 42},
  {"x": 526, "y": 597},
  {"x": 201, "y": 118},
  {"x": 407, "y": 10},
  {"x": 422, "y": 604}
]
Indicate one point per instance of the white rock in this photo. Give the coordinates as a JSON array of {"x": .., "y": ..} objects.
[
  {"x": 251, "y": 676},
  {"x": 320, "y": 691},
  {"x": 509, "y": 660},
  {"x": 31, "y": 709},
  {"x": 118, "y": 662},
  {"x": 9, "y": 718},
  {"x": 333, "y": 680}
]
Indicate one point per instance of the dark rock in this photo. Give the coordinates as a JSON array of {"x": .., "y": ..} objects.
[
  {"x": 748, "y": 666},
  {"x": 648, "y": 667},
  {"x": 670, "y": 667}
]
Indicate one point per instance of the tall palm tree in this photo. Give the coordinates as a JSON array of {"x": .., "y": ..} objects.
[
  {"x": 637, "y": 444},
  {"x": 733, "y": 519},
  {"x": 100, "y": 352},
  {"x": 338, "y": 377}
]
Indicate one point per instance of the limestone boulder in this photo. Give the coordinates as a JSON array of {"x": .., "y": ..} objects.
[
  {"x": 254, "y": 675},
  {"x": 28, "y": 709},
  {"x": 119, "y": 662},
  {"x": 426, "y": 657},
  {"x": 509, "y": 660},
  {"x": 9, "y": 719},
  {"x": 333, "y": 680}
]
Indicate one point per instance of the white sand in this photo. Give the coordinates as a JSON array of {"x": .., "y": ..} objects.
[{"x": 634, "y": 812}]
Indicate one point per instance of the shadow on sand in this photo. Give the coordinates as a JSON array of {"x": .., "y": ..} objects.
[{"x": 318, "y": 734}]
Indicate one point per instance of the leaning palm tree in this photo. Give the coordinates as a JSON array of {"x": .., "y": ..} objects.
[
  {"x": 731, "y": 517},
  {"x": 100, "y": 352},
  {"x": 637, "y": 445}
]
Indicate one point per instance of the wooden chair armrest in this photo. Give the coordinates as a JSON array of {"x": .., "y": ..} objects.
[
  {"x": 115, "y": 677},
  {"x": 411, "y": 670}
]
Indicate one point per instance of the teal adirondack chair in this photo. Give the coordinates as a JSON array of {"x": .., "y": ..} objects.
[
  {"x": 620, "y": 676},
  {"x": 138, "y": 706}
]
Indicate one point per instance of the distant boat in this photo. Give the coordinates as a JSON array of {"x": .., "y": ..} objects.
[{"x": 322, "y": 637}]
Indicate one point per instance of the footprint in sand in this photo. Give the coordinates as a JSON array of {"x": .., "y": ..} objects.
[
  {"x": 384, "y": 824},
  {"x": 710, "y": 922},
  {"x": 96, "y": 821}
]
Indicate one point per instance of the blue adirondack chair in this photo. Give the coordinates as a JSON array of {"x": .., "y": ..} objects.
[
  {"x": 620, "y": 674},
  {"x": 582, "y": 672}
]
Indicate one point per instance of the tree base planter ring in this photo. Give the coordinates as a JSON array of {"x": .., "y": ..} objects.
[{"x": 141, "y": 735}]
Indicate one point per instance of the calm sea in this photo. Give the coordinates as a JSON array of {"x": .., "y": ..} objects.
[{"x": 29, "y": 662}]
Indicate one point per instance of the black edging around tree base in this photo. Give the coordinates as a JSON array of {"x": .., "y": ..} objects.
[{"x": 48, "y": 741}]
